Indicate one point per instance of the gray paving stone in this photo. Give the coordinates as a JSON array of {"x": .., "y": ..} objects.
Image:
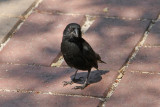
[
  {"x": 14, "y": 7},
  {"x": 6, "y": 24}
]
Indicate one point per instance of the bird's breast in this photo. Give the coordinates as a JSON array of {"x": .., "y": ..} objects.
[{"x": 69, "y": 48}]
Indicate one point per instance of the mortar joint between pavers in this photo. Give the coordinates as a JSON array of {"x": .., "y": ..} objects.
[
  {"x": 20, "y": 64},
  {"x": 23, "y": 91},
  {"x": 56, "y": 12},
  {"x": 151, "y": 46},
  {"x": 146, "y": 72}
]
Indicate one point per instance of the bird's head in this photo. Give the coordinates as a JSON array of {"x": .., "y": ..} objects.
[{"x": 72, "y": 30}]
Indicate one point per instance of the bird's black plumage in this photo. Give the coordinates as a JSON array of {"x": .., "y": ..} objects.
[{"x": 77, "y": 52}]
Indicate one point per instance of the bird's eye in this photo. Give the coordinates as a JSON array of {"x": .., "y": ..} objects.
[{"x": 70, "y": 28}]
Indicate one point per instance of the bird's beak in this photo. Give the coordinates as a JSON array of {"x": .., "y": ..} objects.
[{"x": 76, "y": 32}]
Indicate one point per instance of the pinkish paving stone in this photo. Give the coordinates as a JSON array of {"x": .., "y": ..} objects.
[
  {"x": 100, "y": 82},
  {"x": 136, "y": 90},
  {"x": 30, "y": 77},
  {"x": 48, "y": 79},
  {"x": 38, "y": 40},
  {"x": 40, "y": 100},
  {"x": 154, "y": 35},
  {"x": 114, "y": 40},
  {"x": 133, "y": 9},
  {"x": 147, "y": 59},
  {"x": 74, "y": 6}
]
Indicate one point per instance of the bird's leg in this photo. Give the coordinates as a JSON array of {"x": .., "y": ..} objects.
[
  {"x": 85, "y": 83},
  {"x": 75, "y": 76},
  {"x": 72, "y": 81}
]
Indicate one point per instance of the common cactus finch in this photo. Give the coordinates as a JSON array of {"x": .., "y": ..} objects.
[{"x": 78, "y": 53}]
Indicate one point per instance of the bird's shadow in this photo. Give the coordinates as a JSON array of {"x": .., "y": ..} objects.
[{"x": 94, "y": 77}]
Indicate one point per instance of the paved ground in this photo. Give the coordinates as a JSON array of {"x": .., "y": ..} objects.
[{"x": 125, "y": 33}]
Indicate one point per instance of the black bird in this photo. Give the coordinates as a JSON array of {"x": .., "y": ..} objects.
[{"x": 77, "y": 52}]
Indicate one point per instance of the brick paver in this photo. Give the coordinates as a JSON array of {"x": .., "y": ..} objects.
[
  {"x": 39, "y": 39},
  {"x": 133, "y": 9},
  {"x": 40, "y": 100},
  {"x": 136, "y": 90},
  {"x": 121, "y": 34},
  {"x": 50, "y": 79},
  {"x": 91, "y": 7},
  {"x": 153, "y": 37},
  {"x": 147, "y": 60},
  {"x": 114, "y": 39}
]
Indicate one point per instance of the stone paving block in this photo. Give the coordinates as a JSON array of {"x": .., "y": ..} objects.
[
  {"x": 74, "y": 6},
  {"x": 134, "y": 8},
  {"x": 136, "y": 90},
  {"x": 48, "y": 79},
  {"x": 123, "y": 8},
  {"x": 39, "y": 100},
  {"x": 38, "y": 40},
  {"x": 154, "y": 35},
  {"x": 6, "y": 24},
  {"x": 114, "y": 40},
  {"x": 14, "y": 7},
  {"x": 147, "y": 59}
]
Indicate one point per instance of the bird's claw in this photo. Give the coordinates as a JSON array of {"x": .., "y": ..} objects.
[
  {"x": 80, "y": 87},
  {"x": 72, "y": 81},
  {"x": 67, "y": 82}
]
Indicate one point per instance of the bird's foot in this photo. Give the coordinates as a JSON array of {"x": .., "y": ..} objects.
[
  {"x": 67, "y": 82},
  {"x": 81, "y": 87},
  {"x": 71, "y": 82}
]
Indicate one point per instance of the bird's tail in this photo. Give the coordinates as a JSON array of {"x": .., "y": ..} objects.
[{"x": 99, "y": 59}]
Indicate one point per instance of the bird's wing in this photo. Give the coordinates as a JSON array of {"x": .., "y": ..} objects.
[{"x": 89, "y": 54}]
